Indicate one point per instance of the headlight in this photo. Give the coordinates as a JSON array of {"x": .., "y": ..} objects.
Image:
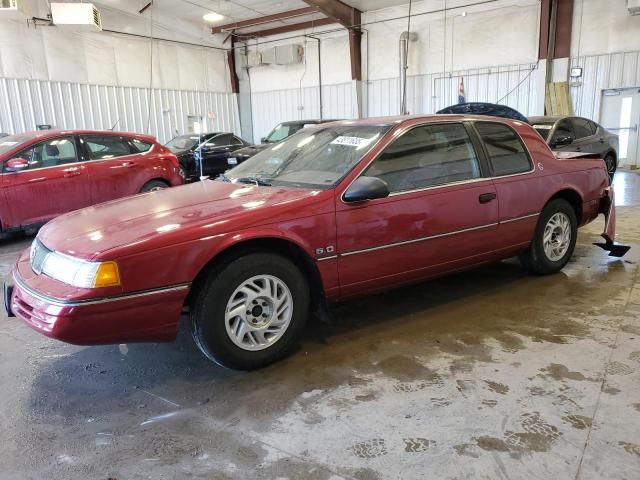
[{"x": 73, "y": 271}]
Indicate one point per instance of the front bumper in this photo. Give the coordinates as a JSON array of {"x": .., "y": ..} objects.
[{"x": 147, "y": 316}]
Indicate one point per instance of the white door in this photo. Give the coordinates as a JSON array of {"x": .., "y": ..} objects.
[{"x": 620, "y": 114}]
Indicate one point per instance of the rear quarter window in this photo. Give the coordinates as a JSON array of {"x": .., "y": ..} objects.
[
  {"x": 505, "y": 150},
  {"x": 140, "y": 145}
]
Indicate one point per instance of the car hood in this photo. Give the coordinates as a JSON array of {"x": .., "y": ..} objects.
[
  {"x": 253, "y": 149},
  {"x": 169, "y": 216}
]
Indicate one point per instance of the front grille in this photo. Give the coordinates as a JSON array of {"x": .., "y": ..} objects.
[{"x": 38, "y": 255}]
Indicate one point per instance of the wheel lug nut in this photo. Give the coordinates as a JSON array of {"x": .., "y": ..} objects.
[
  {"x": 264, "y": 304},
  {"x": 264, "y": 315},
  {"x": 248, "y": 312}
]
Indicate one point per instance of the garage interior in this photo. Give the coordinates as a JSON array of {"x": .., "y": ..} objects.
[{"x": 489, "y": 373}]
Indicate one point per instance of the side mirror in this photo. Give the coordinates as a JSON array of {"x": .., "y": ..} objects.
[
  {"x": 17, "y": 165},
  {"x": 366, "y": 188},
  {"x": 562, "y": 140},
  {"x": 263, "y": 140}
]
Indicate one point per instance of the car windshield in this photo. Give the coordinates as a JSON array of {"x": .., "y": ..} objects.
[
  {"x": 12, "y": 141},
  {"x": 283, "y": 131},
  {"x": 183, "y": 142},
  {"x": 314, "y": 158},
  {"x": 543, "y": 129}
]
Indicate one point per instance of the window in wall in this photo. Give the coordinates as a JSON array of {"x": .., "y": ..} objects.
[
  {"x": 426, "y": 156},
  {"x": 507, "y": 154}
]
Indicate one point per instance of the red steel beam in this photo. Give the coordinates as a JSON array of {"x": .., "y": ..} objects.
[
  {"x": 285, "y": 29},
  {"x": 564, "y": 21},
  {"x": 347, "y": 16},
  {"x": 545, "y": 26},
  {"x": 300, "y": 12},
  {"x": 231, "y": 62},
  {"x": 350, "y": 18}
]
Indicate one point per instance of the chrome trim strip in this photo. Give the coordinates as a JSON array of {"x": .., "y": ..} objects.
[
  {"x": 80, "y": 303},
  {"x": 327, "y": 258},
  {"x": 431, "y": 187},
  {"x": 416, "y": 240},
  {"x": 515, "y": 219}
]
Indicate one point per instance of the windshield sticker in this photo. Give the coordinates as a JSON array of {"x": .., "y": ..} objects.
[
  {"x": 351, "y": 141},
  {"x": 8, "y": 144}
]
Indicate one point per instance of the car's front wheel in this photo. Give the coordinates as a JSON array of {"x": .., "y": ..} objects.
[
  {"x": 554, "y": 239},
  {"x": 250, "y": 313}
]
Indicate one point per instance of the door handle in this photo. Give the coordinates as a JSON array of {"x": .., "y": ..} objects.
[
  {"x": 71, "y": 174},
  {"x": 487, "y": 197},
  {"x": 128, "y": 164}
]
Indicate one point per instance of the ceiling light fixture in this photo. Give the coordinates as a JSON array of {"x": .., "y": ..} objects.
[{"x": 212, "y": 17}]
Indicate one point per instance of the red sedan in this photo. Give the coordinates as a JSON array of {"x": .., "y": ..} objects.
[
  {"x": 47, "y": 173},
  {"x": 334, "y": 211}
]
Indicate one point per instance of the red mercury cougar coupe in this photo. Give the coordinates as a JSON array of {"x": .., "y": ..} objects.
[
  {"x": 334, "y": 211},
  {"x": 44, "y": 174}
]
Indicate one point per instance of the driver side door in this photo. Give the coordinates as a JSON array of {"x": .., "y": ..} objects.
[
  {"x": 441, "y": 214},
  {"x": 54, "y": 183}
]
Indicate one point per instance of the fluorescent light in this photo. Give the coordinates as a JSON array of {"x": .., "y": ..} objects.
[{"x": 212, "y": 17}]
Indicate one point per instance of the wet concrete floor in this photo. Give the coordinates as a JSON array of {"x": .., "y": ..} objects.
[{"x": 485, "y": 374}]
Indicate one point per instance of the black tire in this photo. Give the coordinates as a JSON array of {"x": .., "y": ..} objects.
[
  {"x": 610, "y": 163},
  {"x": 208, "y": 324},
  {"x": 153, "y": 185},
  {"x": 535, "y": 259}
]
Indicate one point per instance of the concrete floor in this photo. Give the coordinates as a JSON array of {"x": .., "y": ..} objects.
[{"x": 487, "y": 374}]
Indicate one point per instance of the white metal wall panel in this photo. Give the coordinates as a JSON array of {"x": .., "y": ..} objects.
[
  {"x": 273, "y": 107},
  {"x": 511, "y": 85},
  {"x": 602, "y": 72},
  {"x": 160, "y": 112}
]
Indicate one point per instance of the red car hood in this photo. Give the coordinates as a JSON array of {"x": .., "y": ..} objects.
[{"x": 169, "y": 216}]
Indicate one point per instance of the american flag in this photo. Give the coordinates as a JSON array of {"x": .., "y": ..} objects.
[{"x": 461, "y": 94}]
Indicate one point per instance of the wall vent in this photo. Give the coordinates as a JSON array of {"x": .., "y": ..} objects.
[{"x": 76, "y": 14}]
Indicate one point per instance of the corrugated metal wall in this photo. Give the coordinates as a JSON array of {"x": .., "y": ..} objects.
[
  {"x": 27, "y": 103},
  {"x": 271, "y": 108},
  {"x": 602, "y": 72},
  {"x": 512, "y": 85}
]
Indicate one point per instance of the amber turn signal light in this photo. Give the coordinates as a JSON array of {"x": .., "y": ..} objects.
[{"x": 107, "y": 275}]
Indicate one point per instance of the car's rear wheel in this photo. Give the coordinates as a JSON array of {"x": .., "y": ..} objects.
[
  {"x": 554, "y": 239},
  {"x": 610, "y": 162},
  {"x": 153, "y": 185},
  {"x": 251, "y": 312}
]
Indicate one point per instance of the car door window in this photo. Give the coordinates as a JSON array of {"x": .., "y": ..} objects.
[
  {"x": 505, "y": 149},
  {"x": 140, "y": 145},
  {"x": 101, "y": 147},
  {"x": 219, "y": 141},
  {"x": 593, "y": 126},
  {"x": 581, "y": 128},
  {"x": 52, "y": 153},
  {"x": 426, "y": 156},
  {"x": 563, "y": 129}
]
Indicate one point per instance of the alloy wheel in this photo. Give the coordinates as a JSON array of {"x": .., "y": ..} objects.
[
  {"x": 557, "y": 236},
  {"x": 258, "y": 312}
]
